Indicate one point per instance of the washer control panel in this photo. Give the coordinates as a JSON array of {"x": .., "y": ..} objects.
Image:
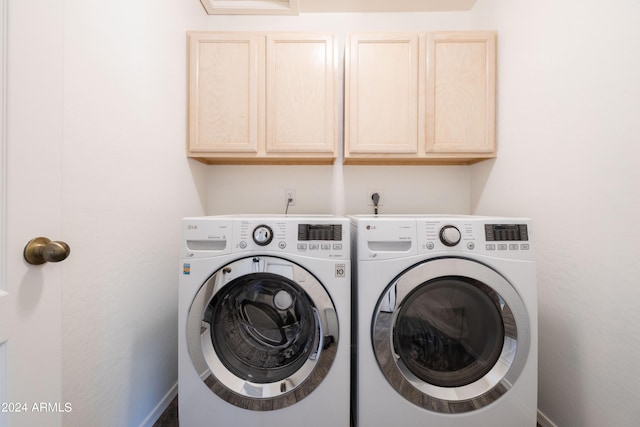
[
  {"x": 307, "y": 236},
  {"x": 313, "y": 236},
  {"x": 325, "y": 232}
]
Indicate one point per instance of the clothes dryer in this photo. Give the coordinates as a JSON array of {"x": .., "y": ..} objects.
[
  {"x": 264, "y": 321},
  {"x": 446, "y": 321}
]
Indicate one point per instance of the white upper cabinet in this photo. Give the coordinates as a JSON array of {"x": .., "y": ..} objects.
[
  {"x": 420, "y": 97},
  {"x": 262, "y": 98}
]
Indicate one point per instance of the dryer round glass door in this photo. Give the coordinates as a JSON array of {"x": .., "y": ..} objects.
[
  {"x": 451, "y": 335},
  {"x": 262, "y": 333}
]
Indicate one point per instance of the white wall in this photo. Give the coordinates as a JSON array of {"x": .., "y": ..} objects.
[
  {"x": 569, "y": 134},
  {"x": 338, "y": 190},
  {"x": 127, "y": 183},
  {"x": 568, "y": 109}
]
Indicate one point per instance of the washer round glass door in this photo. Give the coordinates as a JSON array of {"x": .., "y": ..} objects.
[
  {"x": 451, "y": 335},
  {"x": 262, "y": 333}
]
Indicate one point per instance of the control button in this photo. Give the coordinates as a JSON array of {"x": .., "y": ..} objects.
[
  {"x": 302, "y": 246},
  {"x": 513, "y": 247},
  {"x": 282, "y": 244},
  {"x": 325, "y": 246},
  {"x": 262, "y": 235},
  {"x": 242, "y": 245},
  {"x": 314, "y": 246},
  {"x": 430, "y": 245},
  {"x": 524, "y": 246},
  {"x": 450, "y": 235},
  {"x": 490, "y": 247},
  {"x": 471, "y": 245},
  {"x": 337, "y": 246},
  {"x": 502, "y": 247}
]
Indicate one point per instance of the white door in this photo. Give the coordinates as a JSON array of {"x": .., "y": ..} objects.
[{"x": 30, "y": 206}]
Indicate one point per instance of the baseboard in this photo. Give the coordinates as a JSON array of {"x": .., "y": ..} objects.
[
  {"x": 544, "y": 421},
  {"x": 160, "y": 407}
]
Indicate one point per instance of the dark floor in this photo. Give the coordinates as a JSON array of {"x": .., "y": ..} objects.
[{"x": 170, "y": 417}]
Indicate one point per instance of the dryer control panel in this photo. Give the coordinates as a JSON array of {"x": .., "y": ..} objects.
[
  {"x": 506, "y": 232},
  {"x": 397, "y": 236},
  {"x": 502, "y": 237}
]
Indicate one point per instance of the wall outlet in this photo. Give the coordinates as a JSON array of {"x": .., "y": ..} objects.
[
  {"x": 290, "y": 193},
  {"x": 370, "y": 194}
]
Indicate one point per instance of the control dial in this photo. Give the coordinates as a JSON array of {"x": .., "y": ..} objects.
[
  {"x": 262, "y": 235},
  {"x": 450, "y": 235}
]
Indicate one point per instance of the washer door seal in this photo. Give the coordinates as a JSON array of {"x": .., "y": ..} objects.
[
  {"x": 262, "y": 332},
  {"x": 451, "y": 335}
]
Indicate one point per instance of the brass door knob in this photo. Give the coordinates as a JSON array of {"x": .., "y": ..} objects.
[{"x": 41, "y": 250}]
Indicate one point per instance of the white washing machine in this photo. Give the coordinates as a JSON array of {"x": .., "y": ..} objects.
[
  {"x": 264, "y": 321},
  {"x": 446, "y": 321}
]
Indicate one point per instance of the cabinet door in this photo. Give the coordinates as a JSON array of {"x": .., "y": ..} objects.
[
  {"x": 224, "y": 97},
  {"x": 301, "y": 112},
  {"x": 381, "y": 94},
  {"x": 461, "y": 93}
]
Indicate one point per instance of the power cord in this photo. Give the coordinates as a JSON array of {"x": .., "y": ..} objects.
[
  {"x": 376, "y": 199},
  {"x": 289, "y": 200}
]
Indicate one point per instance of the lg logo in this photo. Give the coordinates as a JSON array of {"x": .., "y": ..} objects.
[{"x": 192, "y": 227}]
